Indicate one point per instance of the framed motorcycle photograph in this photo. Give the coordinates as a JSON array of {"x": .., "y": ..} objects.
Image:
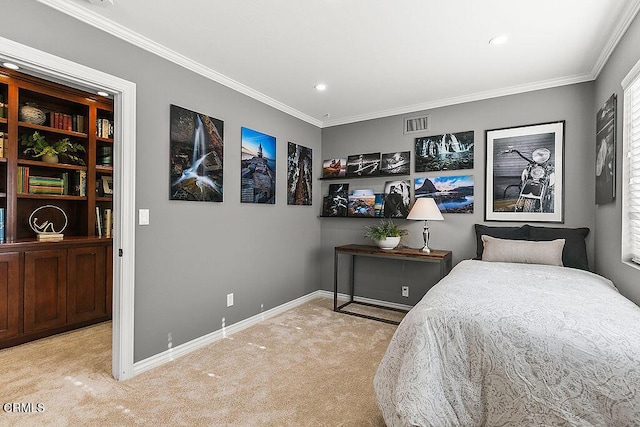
[{"x": 524, "y": 173}]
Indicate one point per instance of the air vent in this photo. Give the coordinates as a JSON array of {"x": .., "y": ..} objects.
[{"x": 416, "y": 124}]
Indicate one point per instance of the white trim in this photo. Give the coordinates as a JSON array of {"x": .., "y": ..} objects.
[
  {"x": 631, "y": 76},
  {"x": 84, "y": 15},
  {"x": 626, "y": 18},
  {"x": 62, "y": 70},
  {"x": 195, "y": 344},
  {"x": 198, "y": 343},
  {"x": 480, "y": 96},
  {"x": 123, "y": 33}
]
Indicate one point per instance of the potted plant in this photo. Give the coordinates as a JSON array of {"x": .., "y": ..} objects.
[
  {"x": 386, "y": 235},
  {"x": 38, "y": 146}
]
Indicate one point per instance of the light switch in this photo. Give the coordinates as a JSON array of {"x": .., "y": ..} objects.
[{"x": 143, "y": 217}]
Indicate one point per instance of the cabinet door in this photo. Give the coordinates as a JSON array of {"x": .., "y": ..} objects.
[
  {"x": 86, "y": 285},
  {"x": 9, "y": 295},
  {"x": 109, "y": 278},
  {"x": 45, "y": 289}
]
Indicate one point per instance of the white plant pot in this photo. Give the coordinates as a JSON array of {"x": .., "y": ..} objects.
[{"x": 388, "y": 243}]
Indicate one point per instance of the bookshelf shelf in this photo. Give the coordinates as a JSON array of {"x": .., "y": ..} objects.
[
  {"x": 104, "y": 169},
  {"x": 3, "y": 120},
  {"x": 105, "y": 140},
  {"x": 52, "y": 130},
  {"x": 40, "y": 164},
  {"x": 51, "y": 197}
]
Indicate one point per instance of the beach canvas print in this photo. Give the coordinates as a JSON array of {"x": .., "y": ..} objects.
[{"x": 258, "y": 175}]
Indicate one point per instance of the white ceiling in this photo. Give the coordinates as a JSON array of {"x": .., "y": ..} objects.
[{"x": 377, "y": 57}]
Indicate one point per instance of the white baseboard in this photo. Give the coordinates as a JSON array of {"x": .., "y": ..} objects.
[{"x": 174, "y": 353}]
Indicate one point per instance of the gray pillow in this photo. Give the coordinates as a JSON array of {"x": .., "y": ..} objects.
[{"x": 523, "y": 251}]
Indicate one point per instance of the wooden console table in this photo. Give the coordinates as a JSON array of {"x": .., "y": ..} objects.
[{"x": 443, "y": 258}]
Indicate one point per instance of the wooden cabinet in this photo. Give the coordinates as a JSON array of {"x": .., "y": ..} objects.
[
  {"x": 52, "y": 287},
  {"x": 86, "y": 283},
  {"x": 45, "y": 290},
  {"x": 9, "y": 295}
]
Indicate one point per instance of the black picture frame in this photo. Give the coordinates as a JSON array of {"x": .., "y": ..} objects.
[{"x": 606, "y": 152}]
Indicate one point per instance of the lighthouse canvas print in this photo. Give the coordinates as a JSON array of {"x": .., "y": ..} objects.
[
  {"x": 258, "y": 169},
  {"x": 195, "y": 160}
]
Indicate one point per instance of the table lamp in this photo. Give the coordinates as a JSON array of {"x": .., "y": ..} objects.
[{"x": 425, "y": 208}]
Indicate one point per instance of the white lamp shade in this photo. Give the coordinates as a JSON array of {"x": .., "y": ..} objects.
[{"x": 425, "y": 208}]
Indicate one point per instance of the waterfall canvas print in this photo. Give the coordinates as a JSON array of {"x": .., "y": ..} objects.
[
  {"x": 258, "y": 175},
  {"x": 299, "y": 179},
  {"x": 196, "y": 150},
  {"x": 450, "y": 151}
]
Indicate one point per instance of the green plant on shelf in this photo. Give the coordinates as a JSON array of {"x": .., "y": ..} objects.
[
  {"x": 38, "y": 146},
  {"x": 385, "y": 229}
]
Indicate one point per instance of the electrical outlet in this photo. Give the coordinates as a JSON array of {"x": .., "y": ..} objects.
[
  {"x": 405, "y": 291},
  {"x": 229, "y": 300}
]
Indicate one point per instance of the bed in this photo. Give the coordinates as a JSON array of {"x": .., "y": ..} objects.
[{"x": 514, "y": 344}]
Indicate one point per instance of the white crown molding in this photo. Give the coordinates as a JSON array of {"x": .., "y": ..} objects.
[
  {"x": 626, "y": 18},
  {"x": 117, "y": 30},
  {"x": 479, "y": 96},
  {"x": 123, "y": 33}
]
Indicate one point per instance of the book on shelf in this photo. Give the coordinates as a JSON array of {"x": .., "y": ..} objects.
[
  {"x": 108, "y": 223},
  {"x": 3, "y": 143},
  {"x": 72, "y": 122},
  {"x": 1, "y": 225},
  {"x": 104, "y": 128},
  {"x": 22, "y": 184},
  {"x": 98, "y": 221},
  {"x": 45, "y": 185},
  {"x": 80, "y": 183}
]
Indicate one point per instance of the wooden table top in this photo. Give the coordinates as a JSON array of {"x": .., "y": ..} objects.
[{"x": 399, "y": 252}]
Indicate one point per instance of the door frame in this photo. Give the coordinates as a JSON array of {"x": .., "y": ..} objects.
[{"x": 73, "y": 74}]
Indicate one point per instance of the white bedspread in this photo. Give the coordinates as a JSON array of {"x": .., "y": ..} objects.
[{"x": 500, "y": 344}]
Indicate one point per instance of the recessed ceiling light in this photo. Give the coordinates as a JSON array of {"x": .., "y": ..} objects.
[
  {"x": 499, "y": 40},
  {"x": 101, "y": 93},
  {"x": 11, "y": 65},
  {"x": 320, "y": 87}
]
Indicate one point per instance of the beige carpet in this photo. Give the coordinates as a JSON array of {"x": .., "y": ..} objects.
[{"x": 306, "y": 367}]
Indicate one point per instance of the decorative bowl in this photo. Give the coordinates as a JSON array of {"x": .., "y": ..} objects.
[
  {"x": 388, "y": 243},
  {"x": 30, "y": 113}
]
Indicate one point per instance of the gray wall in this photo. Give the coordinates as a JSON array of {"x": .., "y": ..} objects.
[
  {"x": 193, "y": 253},
  {"x": 573, "y": 103},
  {"x": 608, "y": 217}
]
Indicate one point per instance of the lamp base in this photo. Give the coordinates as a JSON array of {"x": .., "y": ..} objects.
[{"x": 426, "y": 249}]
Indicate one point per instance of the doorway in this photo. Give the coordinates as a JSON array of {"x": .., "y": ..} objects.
[{"x": 72, "y": 74}]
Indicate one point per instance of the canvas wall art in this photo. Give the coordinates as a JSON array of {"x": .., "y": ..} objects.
[
  {"x": 524, "y": 180},
  {"x": 453, "y": 194},
  {"x": 334, "y": 168},
  {"x": 363, "y": 164},
  {"x": 395, "y": 163},
  {"x": 451, "y": 151},
  {"x": 299, "y": 176},
  {"x": 606, "y": 152},
  {"x": 336, "y": 202},
  {"x": 397, "y": 197},
  {"x": 258, "y": 167},
  {"x": 362, "y": 203},
  {"x": 195, "y": 158}
]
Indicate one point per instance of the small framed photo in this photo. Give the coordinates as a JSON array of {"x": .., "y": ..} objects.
[{"x": 107, "y": 185}]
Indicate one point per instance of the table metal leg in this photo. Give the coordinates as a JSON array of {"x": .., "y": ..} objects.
[
  {"x": 353, "y": 277},
  {"x": 335, "y": 280}
]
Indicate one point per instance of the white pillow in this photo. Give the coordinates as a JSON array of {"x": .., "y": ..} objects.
[{"x": 522, "y": 251}]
